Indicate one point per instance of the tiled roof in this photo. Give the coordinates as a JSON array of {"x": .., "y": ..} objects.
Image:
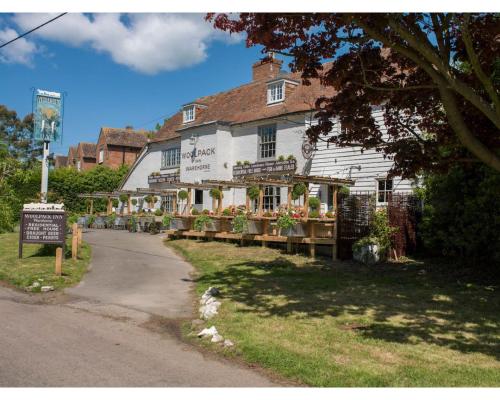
[
  {"x": 71, "y": 152},
  {"x": 125, "y": 137},
  {"x": 248, "y": 103},
  {"x": 88, "y": 149},
  {"x": 61, "y": 161}
]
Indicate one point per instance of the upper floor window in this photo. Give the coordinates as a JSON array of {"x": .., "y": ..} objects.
[
  {"x": 188, "y": 114},
  {"x": 384, "y": 190},
  {"x": 101, "y": 156},
  {"x": 275, "y": 92},
  {"x": 267, "y": 142},
  {"x": 171, "y": 157}
]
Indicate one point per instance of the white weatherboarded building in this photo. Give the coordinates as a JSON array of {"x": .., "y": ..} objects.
[{"x": 253, "y": 128}]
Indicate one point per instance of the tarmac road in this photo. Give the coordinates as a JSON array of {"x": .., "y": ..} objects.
[{"x": 119, "y": 327}]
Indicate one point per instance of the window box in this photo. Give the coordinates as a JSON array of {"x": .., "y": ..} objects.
[{"x": 164, "y": 178}]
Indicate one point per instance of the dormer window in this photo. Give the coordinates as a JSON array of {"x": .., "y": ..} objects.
[
  {"x": 188, "y": 114},
  {"x": 275, "y": 92}
]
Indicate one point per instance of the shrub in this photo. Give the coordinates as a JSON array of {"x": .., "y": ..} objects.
[
  {"x": 314, "y": 203},
  {"x": 110, "y": 220},
  {"x": 246, "y": 162},
  {"x": 291, "y": 157},
  {"x": 167, "y": 219},
  {"x": 195, "y": 211},
  {"x": 344, "y": 190},
  {"x": 148, "y": 199},
  {"x": 267, "y": 214},
  {"x": 314, "y": 214},
  {"x": 329, "y": 214},
  {"x": 239, "y": 163},
  {"x": 154, "y": 199},
  {"x": 123, "y": 198},
  {"x": 215, "y": 193},
  {"x": 6, "y": 217},
  {"x": 182, "y": 195},
  {"x": 114, "y": 202},
  {"x": 158, "y": 212},
  {"x": 132, "y": 224},
  {"x": 226, "y": 212},
  {"x": 461, "y": 217},
  {"x": 206, "y": 211},
  {"x": 298, "y": 190},
  {"x": 91, "y": 220},
  {"x": 285, "y": 221},
  {"x": 200, "y": 222},
  {"x": 240, "y": 223},
  {"x": 380, "y": 233},
  {"x": 253, "y": 192},
  {"x": 281, "y": 158},
  {"x": 134, "y": 202}
]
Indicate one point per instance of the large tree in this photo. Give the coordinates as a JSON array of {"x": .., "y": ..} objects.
[
  {"x": 435, "y": 76},
  {"x": 17, "y": 135}
]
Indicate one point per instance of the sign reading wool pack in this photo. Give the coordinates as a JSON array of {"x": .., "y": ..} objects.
[{"x": 47, "y": 110}]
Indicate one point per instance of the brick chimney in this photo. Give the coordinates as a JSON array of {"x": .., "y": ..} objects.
[{"x": 266, "y": 69}]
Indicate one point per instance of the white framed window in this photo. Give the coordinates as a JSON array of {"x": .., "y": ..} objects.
[
  {"x": 171, "y": 157},
  {"x": 384, "y": 190},
  {"x": 78, "y": 165},
  {"x": 271, "y": 200},
  {"x": 275, "y": 92},
  {"x": 101, "y": 156},
  {"x": 168, "y": 203},
  {"x": 267, "y": 142},
  {"x": 188, "y": 114}
]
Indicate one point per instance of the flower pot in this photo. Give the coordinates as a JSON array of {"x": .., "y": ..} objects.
[
  {"x": 368, "y": 254},
  {"x": 180, "y": 224},
  {"x": 255, "y": 227},
  {"x": 298, "y": 230},
  {"x": 212, "y": 226}
]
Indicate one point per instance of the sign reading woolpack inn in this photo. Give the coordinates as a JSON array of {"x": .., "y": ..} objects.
[
  {"x": 42, "y": 226},
  {"x": 265, "y": 168}
]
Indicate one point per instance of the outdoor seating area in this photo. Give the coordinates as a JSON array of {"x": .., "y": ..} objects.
[{"x": 291, "y": 225}]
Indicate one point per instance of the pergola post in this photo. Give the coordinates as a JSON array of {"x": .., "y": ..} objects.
[
  {"x": 219, "y": 202},
  {"x": 335, "y": 199},
  {"x": 214, "y": 204},
  {"x": 306, "y": 202},
  {"x": 109, "y": 209},
  {"x": 129, "y": 204},
  {"x": 289, "y": 198},
  {"x": 91, "y": 206},
  {"x": 261, "y": 201},
  {"x": 174, "y": 203},
  {"x": 188, "y": 205},
  {"x": 247, "y": 203}
]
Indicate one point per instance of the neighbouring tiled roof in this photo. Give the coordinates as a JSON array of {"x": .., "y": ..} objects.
[
  {"x": 71, "y": 152},
  {"x": 88, "y": 149},
  {"x": 124, "y": 137},
  {"x": 248, "y": 103},
  {"x": 61, "y": 161}
]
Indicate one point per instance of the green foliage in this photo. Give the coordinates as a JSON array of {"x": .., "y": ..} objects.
[
  {"x": 6, "y": 217},
  {"x": 380, "y": 233},
  {"x": 182, "y": 195},
  {"x": 91, "y": 220},
  {"x": 148, "y": 199},
  {"x": 239, "y": 163},
  {"x": 314, "y": 214},
  {"x": 226, "y": 212},
  {"x": 281, "y": 158},
  {"x": 344, "y": 190},
  {"x": 253, "y": 192},
  {"x": 195, "y": 211},
  {"x": 291, "y": 157},
  {"x": 115, "y": 202},
  {"x": 246, "y": 162},
  {"x": 285, "y": 221},
  {"x": 110, "y": 220},
  {"x": 206, "y": 211},
  {"x": 167, "y": 219},
  {"x": 132, "y": 224},
  {"x": 200, "y": 221},
  {"x": 123, "y": 198},
  {"x": 298, "y": 190},
  {"x": 240, "y": 223},
  {"x": 134, "y": 202},
  {"x": 461, "y": 217},
  {"x": 314, "y": 203},
  {"x": 268, "y": 214},
  {"x": 71, "y": 219},
  {"x": 158, "y": 212},
  {"x": 66, "y": 183},
  {"x": 215, "y": 193},
  {"x": 329, "y": 214}
]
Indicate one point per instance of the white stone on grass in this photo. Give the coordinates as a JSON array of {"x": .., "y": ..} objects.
[
  {"x": 228, "y": 343},
  {"x": 217, "y": 338},
  {"x": 47, "y": 288},
  {"x": 208, "y": 332}
]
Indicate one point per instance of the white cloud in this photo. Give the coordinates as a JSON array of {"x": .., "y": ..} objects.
[
  {"x": 148, "y": 43},
  {"x": 19, "y": 52}
]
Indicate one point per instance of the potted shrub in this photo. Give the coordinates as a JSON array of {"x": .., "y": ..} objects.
[
  {"x": 158, "y": 215},
  {"x": 167, "y": 219},
  {"x": 115, "y": 203},
  {"x": 110, "y": 220},
  {"x": 314, "y": 204},
  {"x": 124, "y": 201},
  {"x": 182, "y": 196},
  {"x": 91, "y": 220},
  {"x": 240, "y": 224},
  {"x": 134, "y": 203},
  {"x": 290, "y": 227},
  {"x": 374, "y": 248},
  {"x": 215, "y": 193},
  {"x": 148, "y": 199},
  {"x": 132, "y": 224},
  {"x": 203, "y": 223},
  {"x": 227, "y": 212}
]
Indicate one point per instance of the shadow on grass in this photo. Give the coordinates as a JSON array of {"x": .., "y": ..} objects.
[{"x": 402, "y": 304}]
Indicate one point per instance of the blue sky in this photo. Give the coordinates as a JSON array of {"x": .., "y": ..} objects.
[{"x": 109, "y": 87}]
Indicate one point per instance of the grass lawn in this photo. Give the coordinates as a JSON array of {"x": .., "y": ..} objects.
[
  {"x": 38, "y": 262},
  {"x": 349, "y": 325}
]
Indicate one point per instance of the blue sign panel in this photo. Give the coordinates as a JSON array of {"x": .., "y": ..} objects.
[{"x": 47, "y": 110}]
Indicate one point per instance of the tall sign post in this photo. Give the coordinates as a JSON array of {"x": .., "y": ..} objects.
[{"x": 47, "y": 110}]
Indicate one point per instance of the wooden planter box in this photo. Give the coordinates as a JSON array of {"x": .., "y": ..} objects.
[
  {"x": 213, "y": 226},
  {"x": 255, "y": 227},
  {"x": 298, "y": 230},
  {"x": 180, "y": 224},
  {"x": 322, "y": 230}
]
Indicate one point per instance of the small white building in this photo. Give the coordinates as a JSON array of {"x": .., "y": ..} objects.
[{"x": 254, "y": 127}]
